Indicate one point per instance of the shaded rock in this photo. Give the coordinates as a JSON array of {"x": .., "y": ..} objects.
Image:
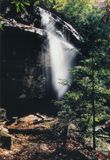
[
  {"x": 33, "y": 124},
  {"x": 22, "y": 71},
  {"x": 2, "y": 114},
  {"x": 6, "y": 140}
]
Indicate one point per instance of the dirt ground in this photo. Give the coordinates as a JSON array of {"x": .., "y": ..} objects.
[{"x": 33, "y": 140}]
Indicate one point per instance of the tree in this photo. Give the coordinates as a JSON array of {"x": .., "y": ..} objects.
[
  {"x": 78, "y": 10},
  {"x": 91, "y": 78}
]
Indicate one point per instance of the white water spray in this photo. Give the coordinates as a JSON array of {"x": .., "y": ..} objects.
[{"x": 61, "y": 54}]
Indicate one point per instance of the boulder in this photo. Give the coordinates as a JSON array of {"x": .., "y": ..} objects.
[{"x": 6, "y": 140}]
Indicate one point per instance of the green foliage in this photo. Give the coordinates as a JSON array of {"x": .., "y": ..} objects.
[
  {"x": 1, "y": 25},
  {"x": 57, "y": 5},
  {"x": 93, "y": 70},
  {"x": 77, "y": 103},
  {"x": 20, "y": 5},
  {"x": 78, "y": 10}
]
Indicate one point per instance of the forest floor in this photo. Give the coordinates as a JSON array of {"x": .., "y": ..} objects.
[{"x": 33, "y": 139}]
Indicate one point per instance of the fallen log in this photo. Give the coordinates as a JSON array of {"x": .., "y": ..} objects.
[{"x": 29, "y": 131}]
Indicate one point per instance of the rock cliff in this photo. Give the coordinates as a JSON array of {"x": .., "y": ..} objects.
[{"x": 23, "y": 78}]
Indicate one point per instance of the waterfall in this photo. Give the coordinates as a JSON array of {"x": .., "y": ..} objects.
[{"x": 61, "y": 54}]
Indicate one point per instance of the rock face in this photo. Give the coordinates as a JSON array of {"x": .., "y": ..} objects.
[
  {"x": 23, "y": 81},
  {"x": 23, "y": 78}
]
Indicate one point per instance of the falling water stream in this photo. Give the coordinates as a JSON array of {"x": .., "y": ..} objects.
[{"x": 61, "y": 54}]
